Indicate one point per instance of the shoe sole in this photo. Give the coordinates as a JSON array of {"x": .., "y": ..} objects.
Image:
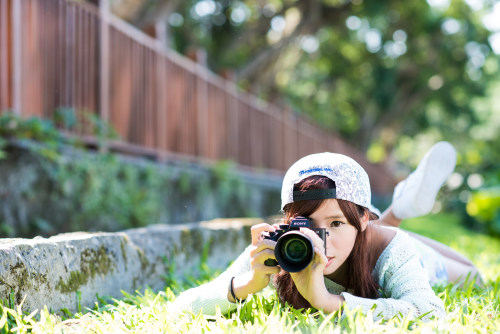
[{"x": 441, "y": 160}]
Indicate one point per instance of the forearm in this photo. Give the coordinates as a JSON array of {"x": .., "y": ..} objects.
[
  {"x": 329, "y": 303},
  {"x": 242, "y": 287},
  {"x": 205, "y": 298}
]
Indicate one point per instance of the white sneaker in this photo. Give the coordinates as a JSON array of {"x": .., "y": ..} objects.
[{"x": 415, "y": 195}]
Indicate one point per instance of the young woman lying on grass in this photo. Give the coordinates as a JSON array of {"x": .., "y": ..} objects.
[{"x": 361, "y": 262}]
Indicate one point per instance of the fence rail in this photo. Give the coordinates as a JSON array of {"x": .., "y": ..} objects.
[{"x": 61, "y": 53}]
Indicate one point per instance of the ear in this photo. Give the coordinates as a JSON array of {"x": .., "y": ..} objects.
[{"x": 364, "y": 221}]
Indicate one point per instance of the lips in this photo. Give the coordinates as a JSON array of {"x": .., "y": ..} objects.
[{"x": 330, "y": 260}]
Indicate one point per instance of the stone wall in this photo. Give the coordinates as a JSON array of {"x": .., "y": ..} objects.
[
  {"x": 86, "y": 191},
  {"x": 50, "y": 271}
]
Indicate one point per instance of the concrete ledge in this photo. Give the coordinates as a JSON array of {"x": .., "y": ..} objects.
[{"x": 50, "y": 271}]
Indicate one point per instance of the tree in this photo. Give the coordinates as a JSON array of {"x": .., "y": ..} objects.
[{"x": 371, "y": 70}]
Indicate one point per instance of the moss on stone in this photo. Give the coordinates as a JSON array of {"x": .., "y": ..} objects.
[
  {"x": 92, "y": 262},
  {"x": 123, "y": 241},
  {"x": 134, "y": 283},
  {"x": 24, "y": 280},
  {"x": 192, "y": 241},
  {"x": 144, "y": 260}
]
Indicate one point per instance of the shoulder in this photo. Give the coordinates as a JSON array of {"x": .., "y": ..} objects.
[
  {"x": 399, "y": 255},
  {"x": 381, "y": 238},
  {"x": 393, "y": 241}
]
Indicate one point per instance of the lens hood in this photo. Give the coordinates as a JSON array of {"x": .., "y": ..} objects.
[{"x": 294, "y": 251}]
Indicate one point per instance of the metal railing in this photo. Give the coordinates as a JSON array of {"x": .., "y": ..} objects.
[{"x": 60, "y": 53}]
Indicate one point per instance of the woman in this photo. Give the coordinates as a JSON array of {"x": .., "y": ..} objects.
[{"x": 360, "y": 264}]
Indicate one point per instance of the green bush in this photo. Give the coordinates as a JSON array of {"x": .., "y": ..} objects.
[
  {"x": 88, "y": 191},
  {"x": 57, "y": 186},
  {"x": 484, "y": 206}
]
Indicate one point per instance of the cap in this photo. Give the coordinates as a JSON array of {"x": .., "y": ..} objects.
[{"x": 351, "y": 181}]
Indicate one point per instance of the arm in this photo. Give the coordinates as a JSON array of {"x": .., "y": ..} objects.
[
  {"x": 404, "y": 284},
  {"x": 250, "y": 276},
  {"x": 206, "y": 297}
]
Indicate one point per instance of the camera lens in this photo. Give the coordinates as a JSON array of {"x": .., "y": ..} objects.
[{"x": 295, "y": 250}]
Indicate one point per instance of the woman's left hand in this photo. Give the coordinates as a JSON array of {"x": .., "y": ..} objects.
[{"x": 310, "y": 282}]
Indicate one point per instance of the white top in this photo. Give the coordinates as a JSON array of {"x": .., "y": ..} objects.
[{"x": 403, "y": 283}]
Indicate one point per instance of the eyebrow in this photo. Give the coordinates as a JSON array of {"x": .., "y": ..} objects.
[{"x": 335, "y": 217}]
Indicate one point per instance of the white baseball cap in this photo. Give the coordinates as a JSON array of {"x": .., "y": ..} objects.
[{"x": 351, "y": 181}]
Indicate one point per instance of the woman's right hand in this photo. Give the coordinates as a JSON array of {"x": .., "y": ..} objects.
[{"x": 262, "y": 249}]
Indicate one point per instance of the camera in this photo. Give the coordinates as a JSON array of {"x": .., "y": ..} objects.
[{"x": 294, "y": 250}]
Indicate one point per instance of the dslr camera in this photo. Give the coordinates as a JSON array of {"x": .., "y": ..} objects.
[{"x": 294, "y": 250}]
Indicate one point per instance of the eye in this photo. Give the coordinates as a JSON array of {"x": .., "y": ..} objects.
[{"x": 336, "y": 223}]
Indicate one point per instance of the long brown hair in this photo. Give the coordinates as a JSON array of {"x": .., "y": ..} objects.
[{"x": 360, "y": 279}]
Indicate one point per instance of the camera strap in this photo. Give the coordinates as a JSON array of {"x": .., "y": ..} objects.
[{"x": 314, "y": 194}]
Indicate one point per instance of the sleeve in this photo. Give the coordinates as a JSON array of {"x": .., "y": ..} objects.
[
  {"x": 208, "y": 296},
  {"x": 404, "y": 285}
]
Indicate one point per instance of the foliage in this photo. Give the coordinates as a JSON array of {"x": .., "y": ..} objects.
[
  {"x": 473, "y": 190},
  {"x": 369, "y": 70},
  {"x": 101, "y": 192},
  {"x": 391, "y": 77},
  {"x": 84, "y": 190},
  {"x": 106, "y": 193},
  {"x": 48, "y": 132},
  {"x": 470, "y": 308},
  {"x": 14, "y": 127},
  {"x": 484, "y": 205}
]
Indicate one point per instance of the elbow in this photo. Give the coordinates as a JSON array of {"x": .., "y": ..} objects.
[{"x": 432, "y": 311}]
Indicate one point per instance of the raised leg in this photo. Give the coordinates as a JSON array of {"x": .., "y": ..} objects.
[
  {"x": 387, "y": 218},
  {"x": 415, "y": 196}
]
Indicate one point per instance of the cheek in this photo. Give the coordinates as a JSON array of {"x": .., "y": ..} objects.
[{"x": 343, "y": 243}]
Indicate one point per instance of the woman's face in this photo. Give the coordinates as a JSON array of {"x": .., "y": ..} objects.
[{"x": 342, "y": 235}]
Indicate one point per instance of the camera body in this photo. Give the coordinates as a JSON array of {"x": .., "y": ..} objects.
[{"x": 294, "y": 250}]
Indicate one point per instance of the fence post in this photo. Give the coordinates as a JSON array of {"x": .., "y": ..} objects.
[
  {"x": 104, "y": 63},
  {"x": 161, "y": 76},
  {"x": 202, "y": 103},
  {"x": 4, "y": 56},
  {"x": 233, "y": 117},
  {"x": 17, "y": 57}
]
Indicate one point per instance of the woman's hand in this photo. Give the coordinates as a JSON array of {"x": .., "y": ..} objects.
[
  {"x": 310, "y": 282},
  {"x": 258, "y": 278}
]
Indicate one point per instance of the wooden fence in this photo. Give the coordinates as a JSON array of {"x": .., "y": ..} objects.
[{"x": 65, "y": 54}]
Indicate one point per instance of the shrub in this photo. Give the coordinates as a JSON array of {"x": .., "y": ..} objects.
[{"x": 484, "y": 206}]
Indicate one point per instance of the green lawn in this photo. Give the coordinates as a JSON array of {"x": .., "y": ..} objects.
[{"x": 470, "y": 309}]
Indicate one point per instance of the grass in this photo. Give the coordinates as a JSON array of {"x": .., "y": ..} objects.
[{"x": 470, "y": 309}]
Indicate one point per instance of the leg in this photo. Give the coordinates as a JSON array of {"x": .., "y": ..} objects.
[
  {"x": 460, "y": 273},
  {"x": 388, "y": 218},
  {"x": 415, "y": 196},
  {"x": 457, "y": 265}
]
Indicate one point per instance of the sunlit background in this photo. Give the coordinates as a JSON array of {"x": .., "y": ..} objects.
[
  {"x": 261, "y": 83},
  {"x": 390, "y": 77}
]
